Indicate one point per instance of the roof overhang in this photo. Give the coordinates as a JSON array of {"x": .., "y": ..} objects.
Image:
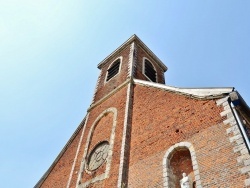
[
  {"x": 135, "y": 39},
  {"x": 202, "y": 93},
  {"x": 239, "y": 102}
]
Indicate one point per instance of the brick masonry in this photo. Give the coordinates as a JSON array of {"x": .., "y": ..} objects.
[
  {"x": 161, "y": 119},
  {"x": 58, "y": 177},
  {"x": 235, "y": 137},
  {"x": 112, "y": 179},
  {"x": 178, "y": 159},
  {"x": 154, "y": 134},
  {"x": 103, "y": 87},
  {"x": 141, "y": 54}
]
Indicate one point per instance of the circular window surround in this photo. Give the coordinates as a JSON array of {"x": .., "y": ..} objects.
[{"x": 98, "y": 156}]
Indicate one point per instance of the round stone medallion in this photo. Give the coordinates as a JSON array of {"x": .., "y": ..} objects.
[{"x": 98, "y": 155}]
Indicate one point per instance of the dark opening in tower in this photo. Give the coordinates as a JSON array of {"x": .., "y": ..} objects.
[
  {"x": 149, "y": 71},
  {"x": 113, "y": 70}
]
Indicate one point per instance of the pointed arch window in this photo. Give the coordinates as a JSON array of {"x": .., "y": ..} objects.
[
  {"x": 113, "y": 70},
  {"x": 149, "y": 70}
]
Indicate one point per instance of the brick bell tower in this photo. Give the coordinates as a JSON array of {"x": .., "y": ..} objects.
[
  {"x": 139, "y": 132},
  {"x": 104, "y": 151},
  {"x": 97, "y": 154}
]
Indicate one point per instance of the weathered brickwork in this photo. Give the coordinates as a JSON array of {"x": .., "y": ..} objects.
[
  {"x": 216, "y": 160},
  {"x": 139, "y": 73},
  {"x": 119, "y": 104},
  {"x": 99, "y": 135},
  {"x": 104, "y": 87},
  {"x": 174, "y": 118},
  {"x": 236, "y": 137},
  {"x": 155, "y": 133}
]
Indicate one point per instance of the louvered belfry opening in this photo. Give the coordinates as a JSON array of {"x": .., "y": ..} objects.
[
  {"x": 150, "y": 71},
  {"x": 113, "y": 70}
]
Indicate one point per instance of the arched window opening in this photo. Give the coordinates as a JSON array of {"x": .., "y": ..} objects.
[
  {"x": 180, "y": 162},
  {"x": 114, "y": 69},
  {"x": 180, "y": 166},
  {"x": 149, "y": 70}
]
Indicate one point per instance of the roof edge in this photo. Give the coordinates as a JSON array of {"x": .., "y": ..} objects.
[
  {"x": 43, "y": 178},
  {"x": 201, "y": 93},
  {"x": 127, "y": 42},
  {"x": 243, "y": 102}
]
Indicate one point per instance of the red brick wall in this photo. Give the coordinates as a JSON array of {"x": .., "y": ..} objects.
[
  {"x": 216, "y": 159},
  {"x": 59, "y": 176},
  {"x": 139, "y": 71},
  {"x": 161, "y": 119},
  {"x": 104, "y": 88},
  {"x": 119, "y": 104},
  {"x": 99, "y": 135}
]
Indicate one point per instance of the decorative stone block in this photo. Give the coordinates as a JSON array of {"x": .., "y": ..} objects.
[
  {"x": 221, "y": 101},
  {"x": 226, "y": 112},
  {"x": 244, "y": 151},
  {"x": 241, "y": 158},
  {"x": 227, "y": 121},
  {"x": 234, "y": 138},
  {"x": 247, "y": 162},
  {"x": 247, "y": 182},
  {"x": 245, "y": 169},
  {"x": 232, "y": 129}
]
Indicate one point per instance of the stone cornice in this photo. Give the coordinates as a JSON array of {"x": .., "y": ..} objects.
[
  {"x": 135, "y": 39},
  {"x": 201, "y": 93},
  {"x": 109, "y": 94}
]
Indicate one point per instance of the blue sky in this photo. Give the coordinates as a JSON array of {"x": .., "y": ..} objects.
[{"x": 49, "y": 51}]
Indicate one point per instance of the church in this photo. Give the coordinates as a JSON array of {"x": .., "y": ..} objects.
[{"x": 139, "y": 132}]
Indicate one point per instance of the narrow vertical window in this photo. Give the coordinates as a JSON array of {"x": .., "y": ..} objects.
[
  {"x": 149, "y": 71},
  {"x": 113, "y": 70}
]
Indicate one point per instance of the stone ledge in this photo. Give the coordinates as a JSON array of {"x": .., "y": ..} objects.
[
  {"x": 245, "y": 169},
  {"x": 239, "y": 141},
  {"x": 247, "y": 162},
  {"x": 197, "y": 177},
  {"x": 233, "y": 123},
  {"x": 229, "y": 120},
  {"x": 221, "y": 101},
  {"x": 239, "y": 148},
  {"x": 241, "y": 158},
  {"x": 234, "y": 138},
  {"x": 232, "y": 129},
  {"x": 226, "y": 107},
  {"x": 165, "y": 184},
  {"x": 223, "y": 113},
  {"x": 196, "y": 172},
  {"x": 244, "y": 151},
  {"x": 195, "y": 167},
  {"x": 247, "y": 182}
]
